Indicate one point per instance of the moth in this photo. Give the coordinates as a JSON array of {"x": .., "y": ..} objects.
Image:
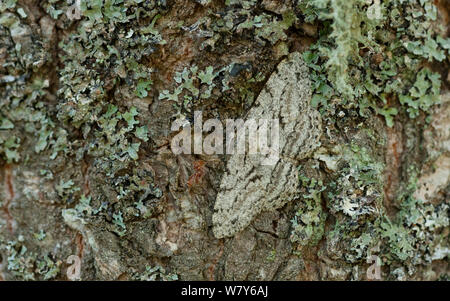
[{"x": 249, "y": 187}]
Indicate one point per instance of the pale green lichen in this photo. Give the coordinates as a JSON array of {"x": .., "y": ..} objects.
[
  {"x": 372, "y": 61},
  {"x": 415, "y": 236},
  {"x": 156, "y": 273},
  {"x": 66, "y": 190},
  {"x": 40, "y": 236},
  {"x": 358, "y": 189},
  {"x": 19, "y": 262},
  {"x": 48, "y": 268},
  {"x": 308, "y": 224},
  {"x": 120, "y": 226},
  {"x": 193, "y": 85},
  {"x": 26, "y": 265},
  {"x": 87, "y": 54}
]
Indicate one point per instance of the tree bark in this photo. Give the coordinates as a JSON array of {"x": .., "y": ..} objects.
[{"x": 87, "y": 169}]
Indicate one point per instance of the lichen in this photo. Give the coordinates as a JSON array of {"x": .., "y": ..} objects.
[
  {"x": 156, "y": 273},
  {"x": 373, "y": 62},
  {"x": 26, "y": 265},
  {"x": 193, "y": 85},
  {"x": 82, "y": 85},
  {"x": 308, "y": 224}
]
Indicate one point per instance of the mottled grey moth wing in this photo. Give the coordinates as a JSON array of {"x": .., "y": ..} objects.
[{"x": 249, "y": 187}]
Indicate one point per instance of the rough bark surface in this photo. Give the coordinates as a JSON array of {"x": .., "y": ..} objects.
[{"x": 88, "y": 95}]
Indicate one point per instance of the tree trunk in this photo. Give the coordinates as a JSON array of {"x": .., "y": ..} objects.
[{"x": 89, "y": 180}]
